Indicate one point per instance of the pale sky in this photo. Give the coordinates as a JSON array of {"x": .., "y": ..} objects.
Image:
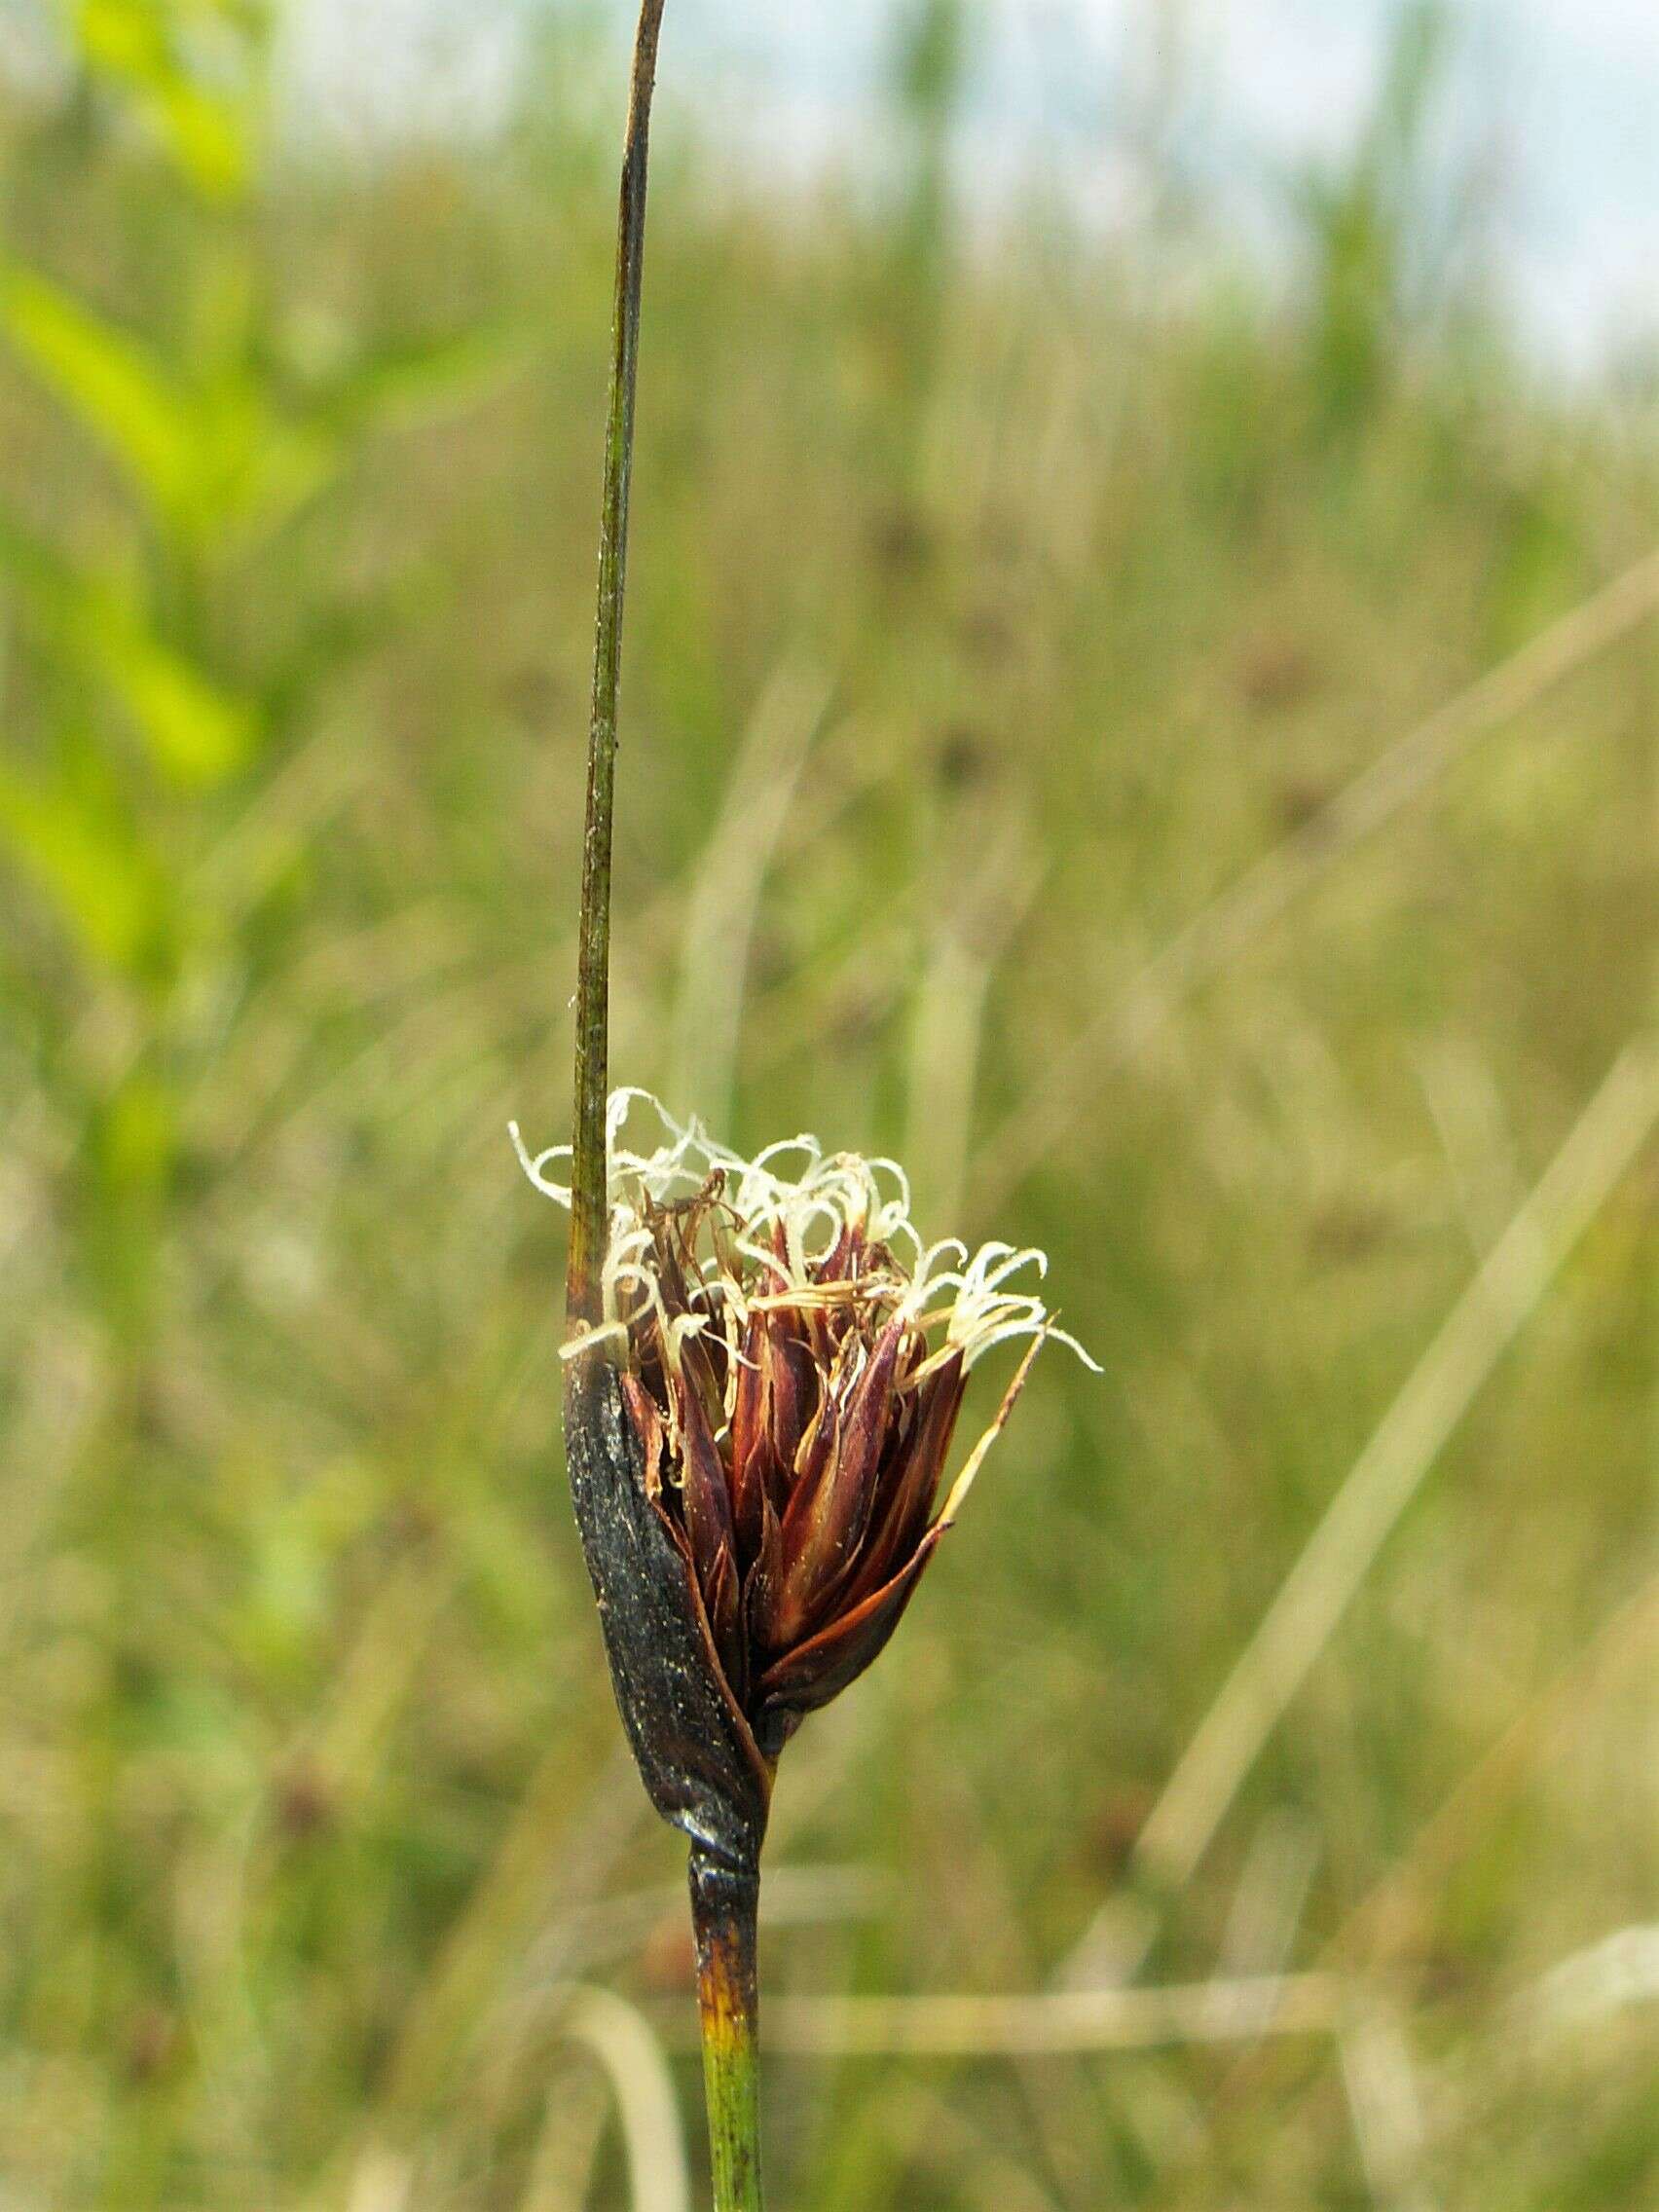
[{"x": 1559, "y": 99}]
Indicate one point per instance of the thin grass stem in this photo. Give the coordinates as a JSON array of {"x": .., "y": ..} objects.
[
  {"x": 593, "y": 970},
  {"x": 724, "y": 1900},
  {"x": 725, "y": 1907}
]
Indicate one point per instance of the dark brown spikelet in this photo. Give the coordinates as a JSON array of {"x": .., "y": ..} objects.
[
  {"x": 803, "y": 1514},
  {"x": 759, "y": 1431},
  {"x": 758, "y": 1422}
]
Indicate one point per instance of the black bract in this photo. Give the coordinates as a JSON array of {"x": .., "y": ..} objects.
[{"x": 695, "y": 1752}]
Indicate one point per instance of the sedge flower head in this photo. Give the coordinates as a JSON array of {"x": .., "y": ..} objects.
[{"x": 793, "y": 1359}]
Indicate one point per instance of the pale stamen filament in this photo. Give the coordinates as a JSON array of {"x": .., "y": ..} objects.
[{"x": 973, "y": 1301}]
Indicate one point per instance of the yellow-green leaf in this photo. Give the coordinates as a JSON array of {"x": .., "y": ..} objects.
[
  {"x": 194, "y": 729},
  {"x": 85, "y": 856},
  {"x": 109, "y": 380},
  {"x": 204, "y": 129}
]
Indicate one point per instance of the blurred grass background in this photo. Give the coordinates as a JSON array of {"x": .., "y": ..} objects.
[{"x": 995, "y": 609}]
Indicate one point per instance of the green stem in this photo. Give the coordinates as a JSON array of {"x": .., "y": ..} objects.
[
  {"x": 724, "y": 1898},
  {"x": 589, "y": 1198},
  {"x": 725, "y": 1904}
]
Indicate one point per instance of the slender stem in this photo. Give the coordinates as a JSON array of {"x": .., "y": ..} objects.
[
  {"x": 724, "y": 1903},
  {"x": 588, "y": 1216},
  {"x": 724, "y": 1898}
]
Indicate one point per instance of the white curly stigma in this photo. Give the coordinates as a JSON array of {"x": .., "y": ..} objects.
[{"x": 814, "y": 1199}]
